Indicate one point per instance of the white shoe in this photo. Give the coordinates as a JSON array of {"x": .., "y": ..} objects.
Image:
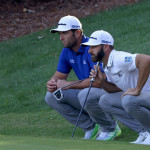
[
  {"x": 88, "y": 134},
  {"x": 106, "y": 136},
  {"x": 102, "y": 135},
  {"x": 141, "y": 138},
  {"x": 147, "y": 140}
]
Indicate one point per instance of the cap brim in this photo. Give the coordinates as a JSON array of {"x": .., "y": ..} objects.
[
  {"x": 90, "y": 43},
  {"x": 58, "y": 30}
]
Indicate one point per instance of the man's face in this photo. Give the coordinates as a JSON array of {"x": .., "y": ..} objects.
[
  {"x": 97, "y": 53},
  {"x": 68, "y": 38}
]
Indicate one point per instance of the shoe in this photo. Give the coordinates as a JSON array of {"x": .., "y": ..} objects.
[
  {"x": 106, "y": 136},
  {"x": 92, "y": 134},
  {"x": 141, "y": 138},
  {"x": 147, "y": 140},
  {"x": 96, "y": 132}
]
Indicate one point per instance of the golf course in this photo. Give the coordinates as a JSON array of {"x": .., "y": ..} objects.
[{"x": 28, "y": 62}]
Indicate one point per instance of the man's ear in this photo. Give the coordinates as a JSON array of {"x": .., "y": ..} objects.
[
  {"x": 105, "y": 47},
  {"x": 77, "y": 33}
]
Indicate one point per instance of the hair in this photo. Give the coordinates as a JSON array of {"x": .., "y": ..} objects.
[
  {"x": 111, "y": 47},
  {"x": 73, "y": 30}
]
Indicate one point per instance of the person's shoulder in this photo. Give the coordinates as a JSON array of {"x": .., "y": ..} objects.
[
  {"x": 116, "y": 57},
  {"x": 66, "y": 52},
  {"x": 116, "y": 53},
  {"x": 127, "y": 56},
  {"x": 85, "y": 38},
  {"x": 122, "y": 58},
  {"x": 121, "y": 52},
  {"x": 65, "y": 49}
]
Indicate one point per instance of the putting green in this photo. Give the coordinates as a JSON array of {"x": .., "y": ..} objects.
[{"x": 49, "y": 143}]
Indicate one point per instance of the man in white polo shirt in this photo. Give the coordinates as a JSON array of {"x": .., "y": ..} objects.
[{"x": 127, "y": 85}]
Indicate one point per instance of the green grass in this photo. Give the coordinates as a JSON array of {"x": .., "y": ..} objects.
[
  {"x": 45, "y": 123},
  {"x": 44, "y": 143},
  {"x": 27, "y": 63}
]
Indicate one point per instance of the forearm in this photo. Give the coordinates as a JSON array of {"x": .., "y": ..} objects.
[
  {"x": 59, "y": 76},
  {"x": 109, "y": 87},
  {"x": 142, "y": 63},
  {"x": 82, "y": 84},
  {"x": 55, "y": 78},
  {"x": 104, "y": 84}
]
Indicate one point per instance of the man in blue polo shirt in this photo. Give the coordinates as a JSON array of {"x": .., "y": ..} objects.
[{"x": 76, "y": 57}]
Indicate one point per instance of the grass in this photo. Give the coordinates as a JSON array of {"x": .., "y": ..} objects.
[
  {"x": 27, "y": 63},
  {"x": 38, "y": 143},
  {"x": 45, "y": 123}
]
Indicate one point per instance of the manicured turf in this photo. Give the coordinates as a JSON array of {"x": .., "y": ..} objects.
[
  {"x": 45, "y": 143},
  {"x": 27, "y": 63}
]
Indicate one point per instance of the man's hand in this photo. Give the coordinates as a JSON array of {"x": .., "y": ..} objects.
[
  {"x": 134, "y": 92},
  {"x": 99, "y": 76},
  {"x": 92, "y": 74},
  {"x": 51, "y": 85}
]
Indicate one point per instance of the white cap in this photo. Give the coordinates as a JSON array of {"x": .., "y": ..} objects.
[
  {"x": 67, "y": 23},
  {"x": 99, "y": 37}
]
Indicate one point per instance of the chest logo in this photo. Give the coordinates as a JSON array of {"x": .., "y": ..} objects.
[
  {"x": 84, "y": 62},
  {"x": 72, "y": 61}
]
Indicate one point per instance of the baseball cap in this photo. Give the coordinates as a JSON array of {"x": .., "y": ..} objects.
[
  {"x": 99, "y": 37},
  {"x": 67, "y": 23}
]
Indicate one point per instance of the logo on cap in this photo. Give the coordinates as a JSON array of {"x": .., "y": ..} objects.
[
  {"x": 93, "y": 38},
  {"x": 105, "y": 41},
  {"x": 63, "y": 24},
  {"x": 75, "y": 26}
]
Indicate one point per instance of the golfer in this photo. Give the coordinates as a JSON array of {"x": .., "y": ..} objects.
[
  {"x": 76, "y": 57},
  {"x": 127, "y": 86}
]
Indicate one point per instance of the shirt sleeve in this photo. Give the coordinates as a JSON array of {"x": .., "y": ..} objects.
[
  {"x": 63, "y": 65},
  {"x": 126, "y": 61}
]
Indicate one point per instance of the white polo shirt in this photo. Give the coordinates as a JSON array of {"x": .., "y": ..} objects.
[{"x": 121, "y": 70}]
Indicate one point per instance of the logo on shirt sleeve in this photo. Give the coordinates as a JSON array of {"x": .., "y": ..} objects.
[{"x": 128, "y": 59}]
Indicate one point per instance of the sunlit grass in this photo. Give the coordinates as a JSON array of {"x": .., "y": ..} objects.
[{"x": 27, "y": 63}]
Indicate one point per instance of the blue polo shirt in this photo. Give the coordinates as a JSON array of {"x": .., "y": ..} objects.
[{"x": 79, "y": 61}]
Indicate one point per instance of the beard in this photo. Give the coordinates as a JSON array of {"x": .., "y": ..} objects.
[
  {"x": 71, "y": 42},
  {"x": 99, "y": 56}
]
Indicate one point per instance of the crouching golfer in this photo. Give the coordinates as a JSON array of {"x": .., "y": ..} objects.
[
  {"x": 127, "y": 85},
  {"x": 76, "y": 57}
]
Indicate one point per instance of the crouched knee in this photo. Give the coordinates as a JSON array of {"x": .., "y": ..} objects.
[
  {"x": 48, "y": 97},
  {"x": 104, "y": 102},
  {"x": 128, "y": 103},
  {"x": 81, "y": 96}
]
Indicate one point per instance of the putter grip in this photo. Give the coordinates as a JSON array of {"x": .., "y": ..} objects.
[{"x": 96, "y": 69}]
